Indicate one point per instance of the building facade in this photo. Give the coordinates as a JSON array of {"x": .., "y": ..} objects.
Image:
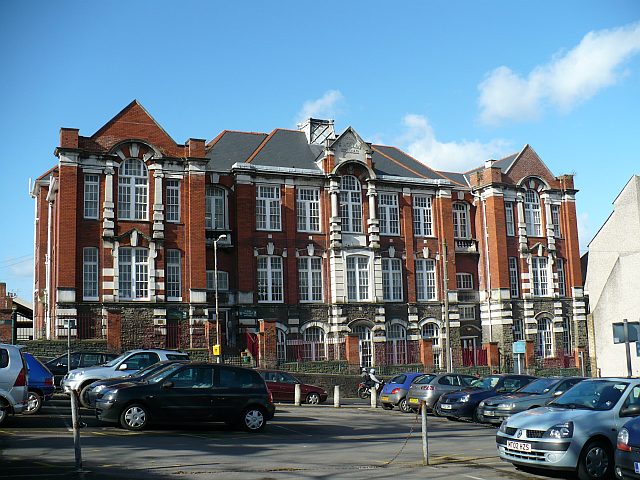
[{"x": 323, "y": 233}]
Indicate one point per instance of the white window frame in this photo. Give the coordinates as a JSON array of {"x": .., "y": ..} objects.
[
  {"x": 539, "y": 276},
  {"x": 567, "y": 337},
  {"x": 431, "y": 331},
  {"x": 389, "y": 214},
  {"x": 351, "y": 204},
  {"x": 308, "y": 209},
  {"x": 270, "y": 273},
  {"x": 392, "y": 279},
  {"x": 426, "y": 280},
  {"x": 173, "y": 274},
  {"x": 172, "y": 205},
  {"x": 310, "y": 279},
  {"x": 215, "y": 210},
  {"x": 90, "y": 273},
  {"x": 357, "y": 267},
  {"x": 464, "y": 281},
  {"x": 138, "y": 282},
  {"x": 268, "y": 208},
  {"x": 396, "y": 344},
  {"x": 555, "y": 220},
  {"x": 314, "y": 344},
  {"x": 133, "y": 190},
  {"x": 562, "y": 281},
  {"x": 532, "y": 213},
  {"x": 91, "y": 196},
  {"x": 423, "y": 215},
  {"x": 544, "y": 338},
  {"x": 461, "y": 226},
  {"x": 510, "y": 220},
  {"x": 467, "y": 312},
  {"x": 514, "y": 278},
  {"x": 223, "y": 281},
  {"x": 518, "y": 329}
]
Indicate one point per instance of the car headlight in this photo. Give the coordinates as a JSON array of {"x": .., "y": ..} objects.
[
  {"x": 99, "y": 388},
  {"x": 464, "y": 398},
  {"x": 503, "y": 426},
  {"x": 560, "y": 430},
  {"x": 110, "y": 395},
  {"x": 623, "y": 440},
  {"x": 507, "y": 406},
  {"x": 481, "y": 404}
]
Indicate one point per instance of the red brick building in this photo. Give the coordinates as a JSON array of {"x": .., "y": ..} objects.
[{"x": 323, "y": 233}]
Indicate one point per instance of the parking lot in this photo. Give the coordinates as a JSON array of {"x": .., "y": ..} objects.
[{"x": 316, "y": 442}]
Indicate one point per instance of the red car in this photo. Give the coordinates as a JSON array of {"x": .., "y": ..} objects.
[{"x": 282, "y": 386}]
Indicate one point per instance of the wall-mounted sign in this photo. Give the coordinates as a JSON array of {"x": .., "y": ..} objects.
[{"x": 618, "y": 332}]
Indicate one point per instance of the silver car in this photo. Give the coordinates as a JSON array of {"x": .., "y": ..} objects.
[
  {"x": 576, "y": 432},
  {"x": 430, "y": 387},
  {"x": 536, "y": 394},
  {"x": 13, "y": 381}
]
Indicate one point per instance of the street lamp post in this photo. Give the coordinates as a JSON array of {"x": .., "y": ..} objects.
[{"x": 215, "y": 278}]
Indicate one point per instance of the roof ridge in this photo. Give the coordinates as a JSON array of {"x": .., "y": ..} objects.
[{"x": 262, "y": 144}]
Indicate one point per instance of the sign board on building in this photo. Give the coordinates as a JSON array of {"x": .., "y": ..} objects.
[
  {"x": 618, "y": 332},
  {"x": 519, "y": 347},
  {"x": 247, "y": 312}
]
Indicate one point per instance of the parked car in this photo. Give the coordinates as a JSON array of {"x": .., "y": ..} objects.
[
  {"x": 192, "y": 392},
  {"x": 430, "y": 387},
  {"x": 39, "y": 384},
  {"x": 96, "y": 387},
  {"x": 394, "y": 392},
  {"x": 13, "y": 381},
  {"x": 129, "y": 362},
  {"x": 58, "y": 366},
  {"x": 575, "y": 432},
  {"x": 464, "y": 403},
  {"x": 536, "y": 394},
  {"x": 627, "y": 456},
  {"x": 282, "y": 386}
]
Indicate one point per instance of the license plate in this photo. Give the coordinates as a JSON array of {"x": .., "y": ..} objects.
[
  {"x": 413, "y": 400},
  {"x": 384, "y": 399},
  {"x": 488, "y": 413},
  {"x": 520, "y": 446},
  {"x": 444, "y": 406},
  {"x": 636, "y": 467}
]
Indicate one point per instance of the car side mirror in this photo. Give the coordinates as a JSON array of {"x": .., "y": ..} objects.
[
  {"x": 167, "y": 384},
  {"x": 630, "y": 411},
  {"x": 123, "y": 366}
]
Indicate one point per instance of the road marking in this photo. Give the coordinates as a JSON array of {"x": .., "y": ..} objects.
[
  {"x": 474, "y": 478},
  {"x": 294, "y": 431}
]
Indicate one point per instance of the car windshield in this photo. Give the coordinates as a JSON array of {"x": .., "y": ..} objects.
[
  {"x": 145, "y": 372},
  {"x": 540, "y": 386},
  {"x": 486, "y": 383},
  {"x": 424, "y": 380},
  {"x": 164, "y": 373},
  {"x": 592, "y": 395},
  {"x": 117, "y": 360}
]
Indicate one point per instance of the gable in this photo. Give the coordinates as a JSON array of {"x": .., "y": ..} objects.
[
  {"x": 528, "y": 164},
  {"x": 134, "y": 122},
  {"x": 350, "y": 146}
]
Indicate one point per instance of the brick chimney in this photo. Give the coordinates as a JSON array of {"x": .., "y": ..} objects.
[{"x": 69, "y": 138}]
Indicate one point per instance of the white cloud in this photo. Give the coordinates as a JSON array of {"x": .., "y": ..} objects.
[
  {"x": 325, "y": 107},
  {"x": 420, "y": 142},
  {"x": 567, "y": 80}
]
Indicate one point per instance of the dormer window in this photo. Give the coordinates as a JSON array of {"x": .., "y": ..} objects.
[{"x": 132, "y": 190}]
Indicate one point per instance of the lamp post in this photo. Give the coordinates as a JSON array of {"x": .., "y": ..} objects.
[{"x": 215, "y": 278}]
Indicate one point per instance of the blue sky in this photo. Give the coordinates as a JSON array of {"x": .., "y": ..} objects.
[{"x": 451, "y": 82}]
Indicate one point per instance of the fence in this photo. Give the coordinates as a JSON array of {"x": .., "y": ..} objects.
[{"x": 474, "y": 357}]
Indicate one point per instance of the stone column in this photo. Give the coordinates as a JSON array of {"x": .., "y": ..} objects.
[
  {"x": 158, "y": 206},
  {"x": 373, "y": 223},
  {"x": 335, "y": 221},
  {"x": 108, "y": 214}
]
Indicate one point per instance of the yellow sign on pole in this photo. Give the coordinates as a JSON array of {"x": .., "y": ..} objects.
[{"x": 216, "y": 350}]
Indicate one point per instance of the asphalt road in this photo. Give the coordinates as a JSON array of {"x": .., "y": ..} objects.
[{"x": 314, "y": 442}]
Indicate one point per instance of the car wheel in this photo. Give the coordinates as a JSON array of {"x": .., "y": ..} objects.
[
  {"x": 253, "y": 420},
  {"x": 34, "y": 403},
  {"x": 84, "y": 395},
  {"x": 313, "y": 399},
  {"x": 477, "y": 417},
  {"x": 404, "y": 406},
  {"x": 4, "y": 412},
  {"x": 134, "y": 417},
  {"x": 595, "y": 461},
  {"x": 387, "y": 406}
]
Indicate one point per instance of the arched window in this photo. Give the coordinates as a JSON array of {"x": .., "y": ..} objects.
[
  {"x": 132, "y": 190},
  {"x": 532, "y": 213},
  {"x": 431, "y": 331},
  {"x": 544, "y": 339},
  {"x": 461, "y": 221},
  {"x": 281, "y": 345},
  {"x": 396, "y": 344},
  {"x": 365, "y": 344},
  {"x": 351, "y": 204},
  {"x": 314, "y": 347}
]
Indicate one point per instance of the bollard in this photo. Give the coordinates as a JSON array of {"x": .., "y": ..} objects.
[
  {"x": 336, "y": 396},
  {"x": 374, "y": 396},
  {"x": 425, "y": 437},
  {"x": 296, "y": 398},
  {"x": 75, "y": 420}
]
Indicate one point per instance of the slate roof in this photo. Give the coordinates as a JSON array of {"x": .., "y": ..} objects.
[
  {"x": 392, "y": 161},
  {"x": 285, "y": 148},
  {"x": 233, "y": 147}
]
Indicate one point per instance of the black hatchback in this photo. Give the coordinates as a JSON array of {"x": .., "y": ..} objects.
[{"x": 193, "y": 392}]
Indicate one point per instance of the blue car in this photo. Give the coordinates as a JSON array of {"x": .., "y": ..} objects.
[
  {"x": 394, "y": 392},
  {"x": 39, "y": 384},
  {"x": 628, "y": 449}
]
